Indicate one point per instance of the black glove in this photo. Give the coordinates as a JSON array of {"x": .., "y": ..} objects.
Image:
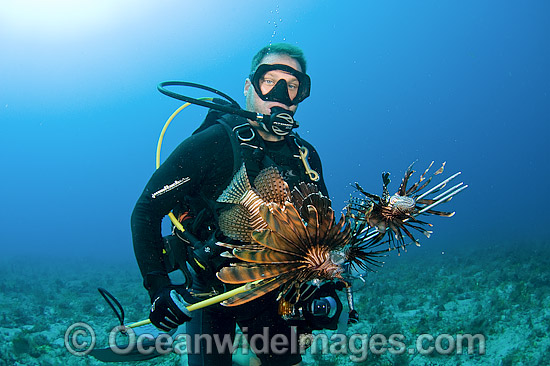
[{"x": 168, "y": 309}]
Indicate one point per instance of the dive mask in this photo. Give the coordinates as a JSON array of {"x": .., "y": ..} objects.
[{"x": 279, "y": 91}]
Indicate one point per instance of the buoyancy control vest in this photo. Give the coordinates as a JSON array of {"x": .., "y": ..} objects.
[
  {"x": 249, "y": 148},
  {"x": 202, "y": 232}
]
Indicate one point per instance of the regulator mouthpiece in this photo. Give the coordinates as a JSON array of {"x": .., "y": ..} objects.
[{"x": 280, "y": 122}]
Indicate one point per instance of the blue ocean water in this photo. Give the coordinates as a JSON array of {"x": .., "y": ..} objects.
[{"x": 466, "y": 82}]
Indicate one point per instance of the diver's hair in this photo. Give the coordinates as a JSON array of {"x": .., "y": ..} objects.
[{"x": 282, "y": 49}]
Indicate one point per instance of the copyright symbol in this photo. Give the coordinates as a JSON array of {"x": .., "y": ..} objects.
[{"x": 80, "y": 339}]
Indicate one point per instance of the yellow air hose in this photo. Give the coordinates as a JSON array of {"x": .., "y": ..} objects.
[
  {"x": 179, "y": 226},
  {"x": 175, "y": 221}
]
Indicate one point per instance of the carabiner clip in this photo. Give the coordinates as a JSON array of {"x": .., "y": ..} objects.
[{"x": 313, "y": 175}]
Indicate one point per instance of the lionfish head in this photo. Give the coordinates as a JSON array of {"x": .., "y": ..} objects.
[
  {"x": 324, "y": 263},
  {"x": 402, "y": 204}
]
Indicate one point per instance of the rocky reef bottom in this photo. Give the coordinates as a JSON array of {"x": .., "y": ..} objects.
[{"x": 418, "y": 309}]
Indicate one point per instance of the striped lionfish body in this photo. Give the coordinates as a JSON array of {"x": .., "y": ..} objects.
[
  {"x": 289, "y": 239},
  {"x": 244, "y": 217},
  {"x": 301, "y": 242},
  {"x": 399, "y": 212}
]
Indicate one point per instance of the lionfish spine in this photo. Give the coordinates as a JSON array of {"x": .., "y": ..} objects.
[
  {"x": 317, "y": 256},
  {"x": 252, "y": 202},
  {"x": 237, "y": 189}
]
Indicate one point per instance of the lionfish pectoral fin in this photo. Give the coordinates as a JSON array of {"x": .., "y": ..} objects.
[
  {"x": 441, "y": 213},
  {"x": 358, "y": 187},
  {"x": 275, "y": 241},
  {"x": 415, "y": 187},
  {"x": 243, "y": 274},
  {"x": 284, "y": 229},
  {"x": 265, "y": 255},
  {"x": 297, "y": 225},
  {"x": 406, "y": 231},
  {"x": 440, "y": 170},
  {"x": 312, "y": 223},
  {"x": 425, "y": 171},
  {"x": 258, "y": 291},
  {"x": 410, "y": 167},
  {"x": 227, "y": 254},
  {"x": 367, "y": 194},
  {"x": 402, "y": 191},
  {"x": 226, "y": 245},
  {"x": 235, "y": 223}
]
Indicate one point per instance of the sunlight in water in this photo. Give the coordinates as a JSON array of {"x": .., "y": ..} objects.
[{"x": 61, "y": 19}]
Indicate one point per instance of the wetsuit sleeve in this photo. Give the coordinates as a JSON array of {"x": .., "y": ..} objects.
[{"x": 201, "y": 162}]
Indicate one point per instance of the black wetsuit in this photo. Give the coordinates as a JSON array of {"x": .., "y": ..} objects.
[{"x": 196, "y": 173}]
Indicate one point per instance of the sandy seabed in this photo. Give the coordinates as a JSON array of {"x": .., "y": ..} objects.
[{"x": 501, "y": 292}]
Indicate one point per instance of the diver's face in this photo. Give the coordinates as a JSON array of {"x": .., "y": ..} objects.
[{"x": 269, "y": 80}]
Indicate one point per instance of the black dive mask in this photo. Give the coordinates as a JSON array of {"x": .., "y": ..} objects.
[
  {"x": 280, "y": 122},
  {"x": 279, "y": 92}
]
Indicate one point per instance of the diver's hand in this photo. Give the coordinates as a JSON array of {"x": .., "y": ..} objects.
[{"x": 168, "y": 309}]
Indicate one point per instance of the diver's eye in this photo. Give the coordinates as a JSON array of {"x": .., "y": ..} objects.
[
  {"x": 293, "y": 86},
  {"x": 268, "y": 81}
]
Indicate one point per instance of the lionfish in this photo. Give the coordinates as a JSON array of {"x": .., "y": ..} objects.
[
  {"x": 373, "y": 215},
  {"x": 301, "y": 241},
  {"x": 292, "y": 239},
  {"x": 244, "y": 217}
]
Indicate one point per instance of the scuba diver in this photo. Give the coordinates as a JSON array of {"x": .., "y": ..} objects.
[{"x": 189, "y": 182}]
